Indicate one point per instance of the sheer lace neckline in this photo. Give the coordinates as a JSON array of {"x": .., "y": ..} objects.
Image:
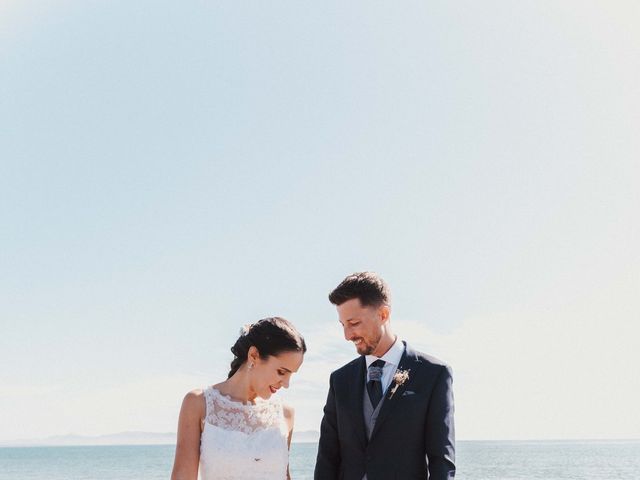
[
  {"x": 230, "y": 402},
  {"x": 222, "y": 411}
]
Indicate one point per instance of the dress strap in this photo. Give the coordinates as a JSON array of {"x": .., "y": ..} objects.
[{"x": 208, "y": 400}]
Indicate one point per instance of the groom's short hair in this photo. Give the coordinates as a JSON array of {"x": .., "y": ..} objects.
[{"x": 366, "y": 286}]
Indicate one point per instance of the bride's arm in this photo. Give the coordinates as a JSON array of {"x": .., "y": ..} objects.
[
  {"x": 289, "y": 414},
  {"x": 185, "y": 465}
]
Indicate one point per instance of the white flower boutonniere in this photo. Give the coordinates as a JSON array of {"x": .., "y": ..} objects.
[{"x": 399, "y": 378}]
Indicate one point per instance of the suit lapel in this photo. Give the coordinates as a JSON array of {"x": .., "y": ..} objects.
[
  {"x": 410, "y": 362},
  {"x": 356, "y": 397}
]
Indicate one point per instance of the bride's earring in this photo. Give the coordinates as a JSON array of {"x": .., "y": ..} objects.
[{"x": 250, "y": 365}]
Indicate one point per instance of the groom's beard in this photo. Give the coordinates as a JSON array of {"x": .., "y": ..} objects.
[{"x": 367, "y": 348}]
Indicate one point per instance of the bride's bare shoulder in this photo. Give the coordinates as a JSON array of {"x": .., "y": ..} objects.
[
  {"x": 194, "y": 402},
  {"x": 288, "y": 410},
  {"x": 289, "y": 415}
]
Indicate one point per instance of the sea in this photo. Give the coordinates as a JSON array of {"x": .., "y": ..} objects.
[{"x": 476, "y": 460}]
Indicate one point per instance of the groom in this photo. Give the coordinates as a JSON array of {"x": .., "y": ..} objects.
[{"x": 389, "y": 413}]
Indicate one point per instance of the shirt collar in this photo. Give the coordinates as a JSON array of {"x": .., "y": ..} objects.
[{"x": 393, "y": 355}]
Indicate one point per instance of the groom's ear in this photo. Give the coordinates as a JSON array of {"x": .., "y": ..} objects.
[{"x": 385, "y": 312}]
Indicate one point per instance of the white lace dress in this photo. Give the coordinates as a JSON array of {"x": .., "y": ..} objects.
[{"x": 243, "y": 441}]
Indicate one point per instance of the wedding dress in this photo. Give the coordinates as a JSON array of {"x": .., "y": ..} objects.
[{"x": 243, "y": 441}]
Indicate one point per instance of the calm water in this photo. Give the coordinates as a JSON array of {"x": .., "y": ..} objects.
[{"x": 608, "y": 460}]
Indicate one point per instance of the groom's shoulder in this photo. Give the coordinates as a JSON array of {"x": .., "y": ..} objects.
[
  {"x": 430, "y": 360},
  {"x": 347, "y": 368},
  {"x": 427, "y": 360}
]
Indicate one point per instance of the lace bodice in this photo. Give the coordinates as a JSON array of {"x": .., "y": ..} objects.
[{"x": 243, "y": 441}]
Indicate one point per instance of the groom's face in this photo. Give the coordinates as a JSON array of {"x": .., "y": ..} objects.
[{"x": 363, "y": 325}]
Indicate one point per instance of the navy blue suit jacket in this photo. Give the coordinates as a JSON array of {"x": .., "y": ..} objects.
[{"x": 413, "y": 437}]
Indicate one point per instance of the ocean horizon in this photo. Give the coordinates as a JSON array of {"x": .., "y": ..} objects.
[{"x": 476, "y": 460}]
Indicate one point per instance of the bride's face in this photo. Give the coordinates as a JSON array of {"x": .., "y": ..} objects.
[{"x": 274, "y": 372}]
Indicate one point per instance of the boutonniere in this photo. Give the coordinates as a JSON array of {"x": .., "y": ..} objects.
[{"x": 399, "y": 378}]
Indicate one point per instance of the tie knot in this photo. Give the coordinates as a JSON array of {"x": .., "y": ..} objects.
[
  {"x": 378, "y": 363},
  {"x": 375, "y": 370}
]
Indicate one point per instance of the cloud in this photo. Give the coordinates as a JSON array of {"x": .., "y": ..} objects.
[
  {"x": 539, "y": 375},
  {"x": 553, "y": 375},
  {"x": 8, "y": 391},
  {"x": 562, "y": 373}
]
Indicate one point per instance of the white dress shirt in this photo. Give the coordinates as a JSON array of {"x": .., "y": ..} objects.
[{"x": 391, "y": 359}]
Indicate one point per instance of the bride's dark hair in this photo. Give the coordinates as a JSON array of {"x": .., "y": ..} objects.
[{"x": 270, "y": 336}]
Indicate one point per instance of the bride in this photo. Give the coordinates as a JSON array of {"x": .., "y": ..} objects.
[{"x": 235, "y": 430}]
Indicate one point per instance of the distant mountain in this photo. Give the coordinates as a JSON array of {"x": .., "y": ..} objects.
[
  {"x": 122, "y": 438},
  {"x": 129, "y": 438}
]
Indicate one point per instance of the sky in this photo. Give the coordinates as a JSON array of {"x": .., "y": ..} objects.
[{"x": 170, "y": 171}]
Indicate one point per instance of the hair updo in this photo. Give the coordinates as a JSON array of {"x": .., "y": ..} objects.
[{"x": 270, "y": 336}]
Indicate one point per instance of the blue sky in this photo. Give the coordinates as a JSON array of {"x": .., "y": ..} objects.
[{"x": 169, "y": 172}]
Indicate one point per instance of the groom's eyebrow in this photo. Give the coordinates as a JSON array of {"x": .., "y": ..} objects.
[{"x": 348, "y": 320}]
